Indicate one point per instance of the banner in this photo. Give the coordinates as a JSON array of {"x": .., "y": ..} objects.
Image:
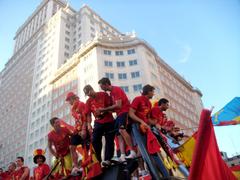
[{"x": 229, "y": 114}]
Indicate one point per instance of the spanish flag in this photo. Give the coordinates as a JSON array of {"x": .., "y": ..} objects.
[{"x": 207, "y": 162}]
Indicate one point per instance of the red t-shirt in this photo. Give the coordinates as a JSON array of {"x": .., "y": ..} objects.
[
  {"x": 142, "y": 105},
  {"x": 102, "y": 100},
  {"x": 19, "y": 172},
  {"x": 41, "y": 171},
  {"x": 157, "y": 114},
  {"x": 6, "y": 176},
  {"x": 78, "y": 110},
  {"x": 61, "y": 140},
  {"x": 118, "y": 94}
]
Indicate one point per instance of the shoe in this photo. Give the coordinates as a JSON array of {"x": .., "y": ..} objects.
[
  {"x": 131, "y": 155},
  {"x": 76, "y": 170},
  {"x": 115, "y": 159},
  {"x": 105, "y": 163},
  {"x": 122, "y": 158}
]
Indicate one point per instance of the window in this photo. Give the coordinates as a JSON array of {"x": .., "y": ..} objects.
[
  {"x": 122, "y": 76},
  {"x": 108, "y": 63},
  {"x": 67, "y": 32},
  {"x": 132, "y": 62},
  {"x": 118, "y": 53},
  {"x": 131, "y": 51},
  {"x": 135, "y": 74},
  {"x": 120, "y": 64},
  {"x": 125, "y": 88},
  {"x": 67, "y": 39},
  {"x": 137, "y": 87},
  {"x": 66, "y": 47},
  {"x": 67, "y": 26},
  {"x": 66, "y": 54},
  {"x": 107, "y": 52},
  {"x": 92, "y": 29},
  {"x": 109, "y": 75}
]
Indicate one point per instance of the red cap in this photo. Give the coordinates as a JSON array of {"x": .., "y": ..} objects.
[{"x": 69, "y": 95}]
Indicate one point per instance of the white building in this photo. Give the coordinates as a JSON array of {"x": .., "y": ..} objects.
[{"x": 58, "y": 50}]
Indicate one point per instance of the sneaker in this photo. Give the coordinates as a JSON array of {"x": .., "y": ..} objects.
[
  {"x": 105, "y": 163},
  {"x": 122, "y": 158},
  {"x": 115, "y": 159},
  {"x": 131, "y": 155},
  {"x": 76, "y": 170}
]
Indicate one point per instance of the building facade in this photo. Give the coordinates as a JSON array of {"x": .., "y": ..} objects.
[{"x": 58, "y": 50}]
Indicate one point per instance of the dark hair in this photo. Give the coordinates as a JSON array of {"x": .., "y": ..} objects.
[
  {"x": 104, "y": 81},
  {"x": 162, "y": 101},
  {"x": 87, "y": 88},
  {"x": 21, "y": 158},
  {"x": 146, "y": 89},
  {"x": 52, "y": 120}
]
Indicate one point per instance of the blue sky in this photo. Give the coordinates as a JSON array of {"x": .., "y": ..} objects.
[{"x": 200, "y": 40}]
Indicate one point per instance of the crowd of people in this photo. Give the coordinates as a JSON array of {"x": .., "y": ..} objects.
[{"x": 66, "y": 142}]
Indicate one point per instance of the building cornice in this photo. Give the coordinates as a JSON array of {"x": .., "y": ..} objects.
[{"x": 126, "y": 41}]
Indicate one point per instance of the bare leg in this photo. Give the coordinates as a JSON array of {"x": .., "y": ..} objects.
[
  {"x": 74, "y": 155},
  {"x": 121, "y": 144},
  {"x": 126, "y": 137}
]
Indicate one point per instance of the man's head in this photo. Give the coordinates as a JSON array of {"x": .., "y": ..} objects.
[
  {"x": 55, "y": 123},
  {"x": 163, "y": 104},
  {"x": 19, "y": 161},
  {"x": 148, "y": 91},
  {"x": 88, "y": 90},
  {"x": 12, "y": 166},
  {"x": 71, "y": 97},
  {"x": 1, "y": 170},
  {"x": 39, "y": 157},
  {"x": 105, "y": 84}
]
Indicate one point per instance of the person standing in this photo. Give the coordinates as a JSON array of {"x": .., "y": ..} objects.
[
  {"x": 22, "y": 172},
  {"x": 78, "y": 112},
  {"x": 121, "y": 106},
  {"x": 103, "y": 123},
  {"x": 141, "y": 106},
  {"x": 59, "y": 146},
  {"x": 42, "y": 170},
  {"x": 157, "y": 114}
]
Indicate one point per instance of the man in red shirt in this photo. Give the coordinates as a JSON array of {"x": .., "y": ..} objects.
[
  {"x": 103, "y": 123},
  {"x": 121, "y": 106},
  {"x": 141, "y": 106},
  {"x": 158, "y": 117},
  {"x": 78, "y": 112},
  {"x": 9, "y": 174},
  {"x": 58, "y": 144},
  {"x": 22, "y": 172},
  {"x": 42, "y": 170}
]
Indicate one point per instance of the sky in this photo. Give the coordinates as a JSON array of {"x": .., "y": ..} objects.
[{"x": 200, "y": 40}]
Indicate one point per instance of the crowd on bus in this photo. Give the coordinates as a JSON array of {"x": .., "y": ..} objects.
[{"x": 113, "y": 116}]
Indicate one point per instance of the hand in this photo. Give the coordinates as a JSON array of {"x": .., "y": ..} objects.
[
  {"x": 145, "y": 124},
  {"x": 158, "y": 126},
  {"x": 98, "y": 112},
  {"x": 83, "y": 133}
]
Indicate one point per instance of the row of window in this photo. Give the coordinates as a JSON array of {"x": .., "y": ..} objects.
[
  {"x": 135, "y": 74},
  {"x": 136, "y": 88},
  {"x": 120, "y": 63},
  {"x": 119, "y": 53}
]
